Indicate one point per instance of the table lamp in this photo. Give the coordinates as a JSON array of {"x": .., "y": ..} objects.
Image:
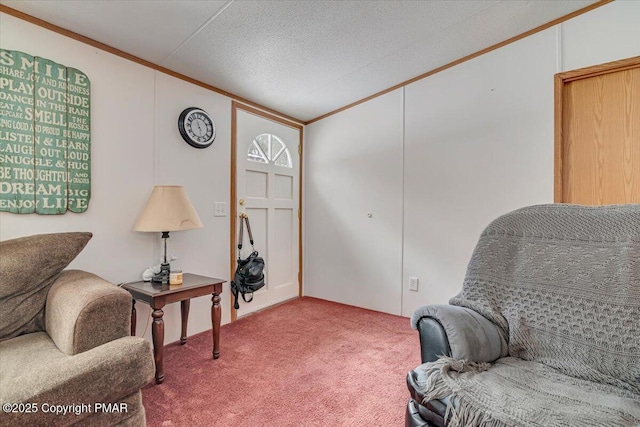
[{"x": 168, "y": 209}]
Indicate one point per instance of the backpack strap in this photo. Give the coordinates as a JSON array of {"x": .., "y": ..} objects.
[
  {"x": 244, "y": 218},
  {"x": 241, "y": 233},
  {"x": 245, "y": 299},
  {"x": 234, "y": 292}
]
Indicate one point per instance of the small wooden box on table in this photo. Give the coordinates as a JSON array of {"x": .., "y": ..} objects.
[{"x": 157, "y": 295}]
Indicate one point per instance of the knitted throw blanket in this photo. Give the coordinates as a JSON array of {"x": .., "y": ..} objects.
[{"x": 562, "y": 282}]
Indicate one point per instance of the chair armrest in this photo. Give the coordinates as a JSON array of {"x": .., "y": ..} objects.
[
  {"x": 84, "y": 311},
  {"x": 468, "y": 334},
  {"x": 105, "y": 374},
  {"x": 433, "y": 340}
]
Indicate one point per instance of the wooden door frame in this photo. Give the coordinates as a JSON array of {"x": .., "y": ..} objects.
[
  {"x": 235, "y": 106},
  {"x": 560, "y": 80}
]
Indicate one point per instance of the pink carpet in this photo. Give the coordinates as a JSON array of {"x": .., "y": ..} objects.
[{"x": 307, "y": 362}]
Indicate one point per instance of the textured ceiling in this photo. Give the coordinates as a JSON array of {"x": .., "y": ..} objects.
[{"x": 302, "y": 58}]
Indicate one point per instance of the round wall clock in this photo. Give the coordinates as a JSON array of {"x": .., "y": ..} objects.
[{"x": 196, "y": 127}]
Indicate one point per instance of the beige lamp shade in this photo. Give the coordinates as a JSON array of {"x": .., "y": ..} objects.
[{"x": 168, "y": 209}]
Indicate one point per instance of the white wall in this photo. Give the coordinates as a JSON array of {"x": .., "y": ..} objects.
[
  {"x": 478, "y": 142},
  {"x": 609, "y": 33},
  {"x": 135, "y": 145},
  {"x": 354, "y": 167}
]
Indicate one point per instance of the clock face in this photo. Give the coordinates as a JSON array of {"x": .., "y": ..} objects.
[{"x": 197, "y": 127}]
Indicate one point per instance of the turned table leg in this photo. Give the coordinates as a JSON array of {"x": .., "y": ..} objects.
[
  {"x": 157, "y": 333},
  {"x": 133, "y": 317},
  {"x": 215, "y": 321},
  {"x": 184, "y": 312}
]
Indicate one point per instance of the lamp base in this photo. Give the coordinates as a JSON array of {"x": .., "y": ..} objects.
[{"x": 163, "y": 276}]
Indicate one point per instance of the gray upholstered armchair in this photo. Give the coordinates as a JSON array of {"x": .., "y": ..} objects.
[
  {"x": 546, "y": 329},
  {"x": 66, "y": 356}
]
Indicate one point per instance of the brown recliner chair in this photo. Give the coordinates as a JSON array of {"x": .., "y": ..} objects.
[{"x": 66, "y": 356}]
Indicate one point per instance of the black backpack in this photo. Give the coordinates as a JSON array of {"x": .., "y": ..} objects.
[{"x": 249, "y": 276}]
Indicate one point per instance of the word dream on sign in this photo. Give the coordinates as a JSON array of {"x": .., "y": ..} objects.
[{"x": 45, "y": 136}]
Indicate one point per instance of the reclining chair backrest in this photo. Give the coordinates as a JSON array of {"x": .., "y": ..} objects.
[
  {"x": 28, "y": 267},
  {"x": 563, "y": 284}
]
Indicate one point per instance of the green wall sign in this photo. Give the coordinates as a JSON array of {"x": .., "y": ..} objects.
[{"x": 45, "y": 136}]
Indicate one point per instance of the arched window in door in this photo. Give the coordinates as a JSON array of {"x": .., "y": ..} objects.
[{"x": 268, "y": 148}]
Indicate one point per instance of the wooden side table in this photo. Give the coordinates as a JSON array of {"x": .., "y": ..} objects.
[{"x": 158, "y": 295}]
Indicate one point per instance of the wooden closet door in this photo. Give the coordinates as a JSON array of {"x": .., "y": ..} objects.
[{"x": 599, "y": 145}]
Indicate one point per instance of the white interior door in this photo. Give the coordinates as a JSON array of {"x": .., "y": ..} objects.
[{"x": 267, "y": 181}]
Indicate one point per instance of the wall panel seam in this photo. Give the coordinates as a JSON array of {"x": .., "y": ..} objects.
[{"x": 404, "y": 133}]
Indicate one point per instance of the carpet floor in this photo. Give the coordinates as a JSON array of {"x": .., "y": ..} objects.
[{"x": 307, "y": 362}]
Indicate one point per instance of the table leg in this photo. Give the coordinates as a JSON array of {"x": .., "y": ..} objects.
[
  {"x": 157, "y": 332},
  {"x": 134, "y": 317},
  {"x": 215, "y": 322},
  {"x": 184, "y": 312}
]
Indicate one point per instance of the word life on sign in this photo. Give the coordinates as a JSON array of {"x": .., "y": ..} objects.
[{"x": 45, "y": 136}]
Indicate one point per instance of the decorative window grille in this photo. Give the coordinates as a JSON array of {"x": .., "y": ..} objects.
[{"x": 268, "y": 148}]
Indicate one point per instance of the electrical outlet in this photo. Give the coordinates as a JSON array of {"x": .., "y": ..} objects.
[
  {"x": 413, "y": 284},
  {"x": 220, "y": 209}
]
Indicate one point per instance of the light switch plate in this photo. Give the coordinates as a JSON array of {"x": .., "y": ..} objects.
[
  {"x": 220, "y": 209},
  {"x": 413, "y": 284}
]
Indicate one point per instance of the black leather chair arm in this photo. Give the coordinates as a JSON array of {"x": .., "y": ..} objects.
[
  {"x": 433, "y": 340},
  {"x": 453, "y": 331},
  {"x": 458, "y": 332}
]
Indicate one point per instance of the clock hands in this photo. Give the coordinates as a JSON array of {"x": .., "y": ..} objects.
[
  {"x": 201, "y": 130},
  {"x": 200, "y": 127}
]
